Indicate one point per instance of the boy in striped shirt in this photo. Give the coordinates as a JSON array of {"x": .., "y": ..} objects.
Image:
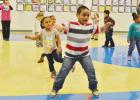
[{"x": 78, "y": 36}]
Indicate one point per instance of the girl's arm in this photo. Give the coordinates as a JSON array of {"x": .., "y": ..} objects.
[
  {"x": 129, "y": 33},
  {"x": 58, "y": 43},
  {"x": 36, "y": 37}
]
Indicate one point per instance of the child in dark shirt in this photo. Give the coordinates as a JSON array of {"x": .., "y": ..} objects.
[{"x": 108, "y": 30}]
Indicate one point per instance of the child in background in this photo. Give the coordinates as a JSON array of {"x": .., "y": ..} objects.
[
  {"x": 78, "y": 37},
  {"x": 6, "y": 19},
  {"x": 95, "y": 19},
  {"x": 37, "y": 27},
  {"x": 42, "y": 26},
  {"x": 109, "y": 30},
  {"x": 48, "y": 36},
  {"x": 53, "y": 18},
  {"x": 134, "y": 36}
]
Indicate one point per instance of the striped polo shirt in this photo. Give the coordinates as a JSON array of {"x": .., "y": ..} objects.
[{"x": 78, "y": 37}]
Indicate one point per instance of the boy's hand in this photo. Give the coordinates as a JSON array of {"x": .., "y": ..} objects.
[{"x": 59, "y": 27}]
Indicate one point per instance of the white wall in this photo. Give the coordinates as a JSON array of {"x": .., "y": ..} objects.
[{"x": 24, "y": 20}]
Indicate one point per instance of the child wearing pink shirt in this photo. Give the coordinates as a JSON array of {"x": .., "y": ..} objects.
[{"x": 6, "y": 19}]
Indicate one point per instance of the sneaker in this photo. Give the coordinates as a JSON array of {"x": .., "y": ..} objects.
[
  {"x": 53, "y": 74},
  {"x": 95, "y": 93},
  {"x": 92, "y": 38},
  {"x": 129, "y": 58},
  {"x": 95, "y": 39},
  {"x": 40, "y": 61},
  {"x": 53, "y": 93},
  {"x": 5, "y": 39}
]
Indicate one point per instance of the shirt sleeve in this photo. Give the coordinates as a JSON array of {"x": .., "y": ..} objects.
[{"x": 130, "y": 32}]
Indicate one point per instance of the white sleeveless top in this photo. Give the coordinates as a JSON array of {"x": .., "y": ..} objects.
[{"x": 49, "y": 40}]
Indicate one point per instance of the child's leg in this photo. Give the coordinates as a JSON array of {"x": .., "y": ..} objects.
[
  {"x": 51, "y": 65},
  {"x": 8, "y": 29},
  {"x": 88, "y": 67},
  {"x": 131, "y": 47},
  {"x": 138, "y": 46},
  {"x": 50, "y": 62},
  {"x": 41, "y": 58},
  {"x": 57, "y": 57},
  {"x": 3, "y": 29},
  {"x": 65, "y": 69},
  {"x": 110, "y": 38},
  {"x": 106, "y": 39}
]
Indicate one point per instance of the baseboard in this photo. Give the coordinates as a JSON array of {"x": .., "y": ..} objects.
[{"x": 19, "y": 30}]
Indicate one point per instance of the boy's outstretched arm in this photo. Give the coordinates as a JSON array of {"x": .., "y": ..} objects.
[{"x": 36, "y": 37}]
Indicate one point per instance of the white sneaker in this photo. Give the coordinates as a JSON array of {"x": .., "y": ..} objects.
[
  {"x": 129, "y": 58},
  {"x": 95, "y": 93}
]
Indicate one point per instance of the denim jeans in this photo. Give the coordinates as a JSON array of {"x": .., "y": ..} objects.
[
  {"x": 67, "y": 65},
  {"x": 51, "y": 57},
  {"x": 132, "y": 46}
]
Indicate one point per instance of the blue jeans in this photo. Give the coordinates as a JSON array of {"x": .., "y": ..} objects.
[
  {"x": 132, "y": 46},
  {"x": 67, "y": 65}
]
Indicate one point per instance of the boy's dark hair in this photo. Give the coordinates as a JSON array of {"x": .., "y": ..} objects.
[
  {"x": 107, "y": 12},
  {"x": 134, "y": 15},
  {"x": 82, "y": 7}
]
